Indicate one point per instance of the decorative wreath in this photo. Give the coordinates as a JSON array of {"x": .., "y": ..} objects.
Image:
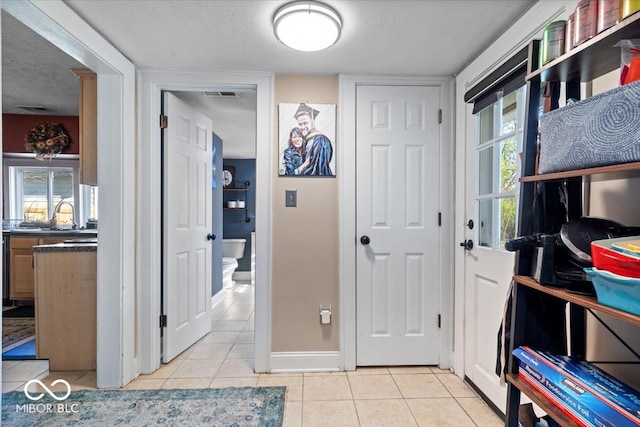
[{"x": 47, "y": 140}]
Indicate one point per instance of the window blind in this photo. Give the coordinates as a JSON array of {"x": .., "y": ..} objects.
[{"x": 506, "y": 78}]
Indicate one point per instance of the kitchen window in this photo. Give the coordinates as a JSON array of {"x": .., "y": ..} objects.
[{"x": 35, "y": 192}]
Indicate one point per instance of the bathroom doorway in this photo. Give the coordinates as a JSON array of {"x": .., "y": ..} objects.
[{"x": 235, "y": 143}]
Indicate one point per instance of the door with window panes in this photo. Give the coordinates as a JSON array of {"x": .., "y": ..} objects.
[{"x": 490, "y": 193}]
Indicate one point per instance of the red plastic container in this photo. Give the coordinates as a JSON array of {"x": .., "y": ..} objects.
[{"x": 606, "y": 258}]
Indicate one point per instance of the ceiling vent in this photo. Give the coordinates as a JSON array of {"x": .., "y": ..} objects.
[
  {"x": 38, "y": 108},
  {"x": 222, "y": 94}
]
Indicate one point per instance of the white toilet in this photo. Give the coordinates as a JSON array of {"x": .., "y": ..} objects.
[{"x": 232, "y": 251}]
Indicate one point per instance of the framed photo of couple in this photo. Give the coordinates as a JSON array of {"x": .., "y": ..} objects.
[{"x": 306, "y": 139}]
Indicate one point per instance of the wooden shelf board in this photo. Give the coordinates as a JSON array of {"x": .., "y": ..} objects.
[
  {"x": 581, "y": 300},
  {"x": 542, "y": 401},
  {"x": 625, "y": 167},
  {"x": 592, "y": 58}
]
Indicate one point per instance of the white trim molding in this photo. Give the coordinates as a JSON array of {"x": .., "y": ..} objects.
[
  {"x": 149, "y": 249},
  {"x": 305, "y": 361},
  {"x": 217, "y": 298},
  {"x": 347, "y": 188}
]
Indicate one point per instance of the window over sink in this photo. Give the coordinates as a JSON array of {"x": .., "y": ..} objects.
[{"x": 35, "y": 192}]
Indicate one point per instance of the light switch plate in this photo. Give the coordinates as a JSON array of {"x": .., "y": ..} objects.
[{"x": 291, "y": 198}]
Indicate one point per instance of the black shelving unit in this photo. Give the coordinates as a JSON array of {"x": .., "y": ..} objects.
[
  {"x": 586, "y": 62},
  {"x": 245, "y": 190}
]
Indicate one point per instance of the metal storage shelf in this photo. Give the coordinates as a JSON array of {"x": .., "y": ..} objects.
[
  {"x": 592, "y": 58},
  {"x": 581, "y": 300},
  {"x": 245, "y": 190},
  {"x": 541, "y": 400},
  {"x": 626, "y": 167},
  {"x": 586, "y": 62}
]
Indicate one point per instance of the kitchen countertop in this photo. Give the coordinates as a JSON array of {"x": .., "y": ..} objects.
[
  {"x": 67, "y": 247},
  {"x": 26, "y": 232}
]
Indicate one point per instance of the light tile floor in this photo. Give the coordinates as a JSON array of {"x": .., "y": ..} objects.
[{"x": 376, "y": 397}]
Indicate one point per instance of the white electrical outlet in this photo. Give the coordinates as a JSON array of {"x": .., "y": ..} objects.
[{"x": 325, "y": 315}]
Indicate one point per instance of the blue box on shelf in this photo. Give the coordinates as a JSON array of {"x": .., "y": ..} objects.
[
  {"x": 616, "y": 291},
  {"x": 573, "y": 397}
]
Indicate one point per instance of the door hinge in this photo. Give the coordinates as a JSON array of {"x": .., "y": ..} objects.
[
  {"x": 164, "y": 122},
  {"x": 439, "y": 321},
  {"x": 440, "y": 116},
  {"x": 439, "y": 218},
  {"x": 163, "y": 320}
]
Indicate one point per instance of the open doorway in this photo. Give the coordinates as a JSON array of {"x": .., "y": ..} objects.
[
  {"x": 152, "y": 85},
  {"x": 116, "y": 124},
  {"x": 38, "y": 86},
  {"x": 233, "y": 113},
  {"x": 201, "y": 236}
]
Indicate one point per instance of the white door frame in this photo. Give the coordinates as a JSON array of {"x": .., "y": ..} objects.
[
  {"x": 346, "y": 149},
  {"x": 151, "y": 83},
  {"x": 56, "y": 22}
]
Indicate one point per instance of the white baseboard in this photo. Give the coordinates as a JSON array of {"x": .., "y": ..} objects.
[
  {"x": 306, "y": 361},
  {"x": 217, "y": 298},
  {"x": 243, "y": 276}
]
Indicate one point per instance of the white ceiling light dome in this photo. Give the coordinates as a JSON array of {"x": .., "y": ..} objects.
[{"x": 307, "y": 25}]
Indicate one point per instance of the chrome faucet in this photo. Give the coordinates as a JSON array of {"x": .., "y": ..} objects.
[{"x": 74, "y": 225}]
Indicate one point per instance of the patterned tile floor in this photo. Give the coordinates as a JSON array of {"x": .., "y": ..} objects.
[{"x": 377, "y": 397}]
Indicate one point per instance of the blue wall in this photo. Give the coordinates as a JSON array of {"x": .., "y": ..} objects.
[
  {"x": 234, "y": 225},
  {"x": 216, "y": 200}
]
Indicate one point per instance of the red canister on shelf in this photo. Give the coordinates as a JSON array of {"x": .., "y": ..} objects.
[
  {"x": 570, "y": 32},
  {"x": 609, "y": 13},
  {"x": 586, "y": 21}
]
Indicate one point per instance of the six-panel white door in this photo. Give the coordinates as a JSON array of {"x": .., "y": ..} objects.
[
  {"x": 397, "y": 149},
  {"x": 187, "y": 220}
]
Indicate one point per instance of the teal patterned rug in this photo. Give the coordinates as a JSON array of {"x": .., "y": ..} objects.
[{"x": 228, "y": 407}]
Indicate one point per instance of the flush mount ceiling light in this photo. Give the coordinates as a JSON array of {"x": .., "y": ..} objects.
[{"x": 307, "y": 25}]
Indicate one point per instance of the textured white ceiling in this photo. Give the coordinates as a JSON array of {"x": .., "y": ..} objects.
[
  {"x": 382, "y": 37},
  {"x": 429, "y": 37}
]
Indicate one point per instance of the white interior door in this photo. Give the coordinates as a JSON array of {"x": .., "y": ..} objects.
[
  {"x": 187, "y": 220},
  {"x": 397, "y": 147},
  {"x": 494, "y": 141}
]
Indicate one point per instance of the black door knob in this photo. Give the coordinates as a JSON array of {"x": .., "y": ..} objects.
[
  {"x": 365, "y": 240},
  {"x": 211, "y": 236},
  {"x": 467, "y": 244}
]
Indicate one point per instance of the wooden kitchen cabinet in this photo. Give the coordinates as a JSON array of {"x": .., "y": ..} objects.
[
  {"x": 21, "y": 268},
  {"x": 88, "y": 119},
  {"x": 21, "y": 265},
  {"x": 65, "y": 301}
]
